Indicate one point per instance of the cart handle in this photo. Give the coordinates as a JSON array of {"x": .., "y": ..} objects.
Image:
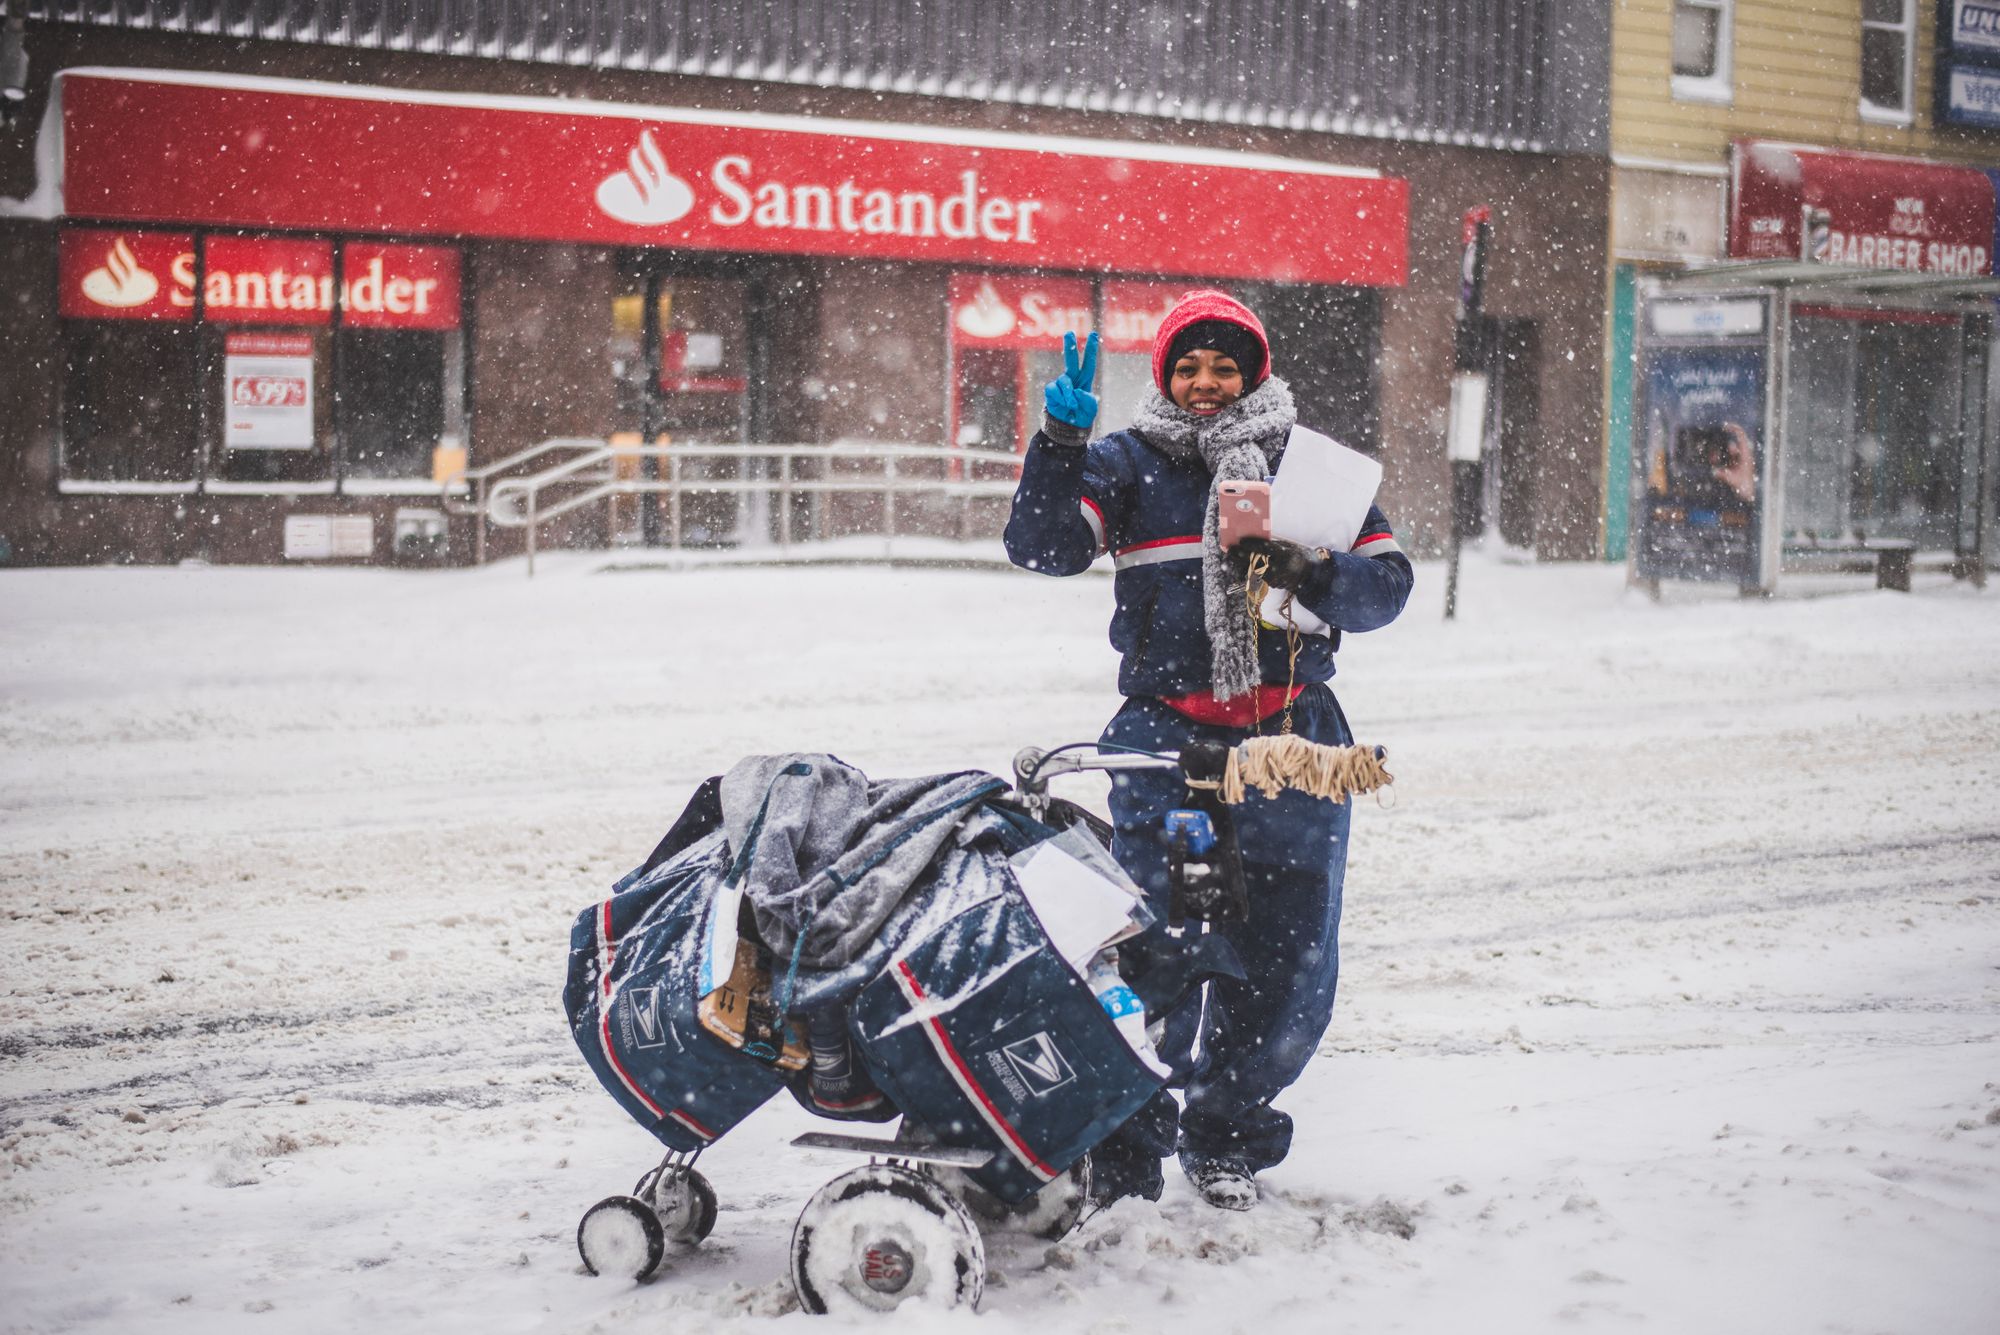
[{"x": 1266, "y": 763}]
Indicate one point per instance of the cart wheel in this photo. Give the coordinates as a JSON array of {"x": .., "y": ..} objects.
[
  {"x": 685, "y": 1203},
  {"x": 877, "y": 1237},
  {"x": 620, "y": 1235},
  {"x": 1049, "y": 1214}
]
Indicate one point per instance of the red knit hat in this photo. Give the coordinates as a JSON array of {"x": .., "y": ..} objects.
[{"x": 1204, "y": 304}]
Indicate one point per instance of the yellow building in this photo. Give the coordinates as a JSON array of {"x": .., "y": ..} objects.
[{"x": 1831, "y": 108}]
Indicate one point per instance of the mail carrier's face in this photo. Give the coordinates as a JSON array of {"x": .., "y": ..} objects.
[{"x": 1205, "y": 381}]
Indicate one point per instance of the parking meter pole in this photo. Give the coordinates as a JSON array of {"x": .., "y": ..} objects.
[{"x": 1465, "y": 434}]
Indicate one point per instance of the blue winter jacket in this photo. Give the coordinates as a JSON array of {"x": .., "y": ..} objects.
[{"x": 1121, "y": 495}]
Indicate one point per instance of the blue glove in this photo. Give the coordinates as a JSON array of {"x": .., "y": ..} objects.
[{"x": 1068, "y": 397}]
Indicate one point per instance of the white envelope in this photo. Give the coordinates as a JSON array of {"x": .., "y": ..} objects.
[
  {"x": 1320, "y": 498},
  {"x": 1081, "y": 910}
]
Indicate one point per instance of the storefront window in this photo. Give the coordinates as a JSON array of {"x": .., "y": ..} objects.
[
  {"x": 1123, "y": 378},
  {"x": 267, "y": 346},
  {"x": 1004, "y": 331},
  {"x": 989, "y": 398},
  {"x": 243, "y": 364},
  {"x": 396, "y": 406},
  {"x": 126, "y": 412},
  {"x": 1132, "y": 315},
  {"x": 128, "y": 359},
  {"x": 399, "y": 368}
]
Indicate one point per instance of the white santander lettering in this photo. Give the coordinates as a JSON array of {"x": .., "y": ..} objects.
[
  {"x": 1038, "y": 317},
  {"x": 910, "y": 207},
  {"x": 994, "y": 215},
  {"x": 365, "y": 293},
  {"x": 724, "y": 175},
  {"x": 881, "y": 215},
  {"x": 817, "y": 200},
  {"x": 254, "y": 290},
  {"x": 960, "y": 206},
  {"x": 372, "y": 291},
  {"x": 183, "y": 269},
  {"x": 773, "y": 206},
  {"x": 1025, "y": 232},
  {"x": 969, "y": 213}
]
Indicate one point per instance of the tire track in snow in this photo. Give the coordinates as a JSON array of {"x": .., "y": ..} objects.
[
  {"x": 1684, "y": 892},
  {"x": 376, "y": 1058}
]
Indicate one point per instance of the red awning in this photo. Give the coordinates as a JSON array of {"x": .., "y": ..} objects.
[
  {"x": 1859, "y": 210},
  {"x": 147, "y": 146}
]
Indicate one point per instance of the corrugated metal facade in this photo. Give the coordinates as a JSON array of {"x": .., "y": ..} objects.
[{"x": 1508, "y": 74}]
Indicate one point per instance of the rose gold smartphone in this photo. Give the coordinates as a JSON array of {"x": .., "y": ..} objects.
[{"x": 1243, "y": 510}]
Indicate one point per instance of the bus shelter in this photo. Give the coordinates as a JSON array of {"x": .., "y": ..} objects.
[{"x": 1797, "y": 415}]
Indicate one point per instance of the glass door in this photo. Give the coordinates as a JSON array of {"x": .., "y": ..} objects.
[{"x": 680, "y": 360}]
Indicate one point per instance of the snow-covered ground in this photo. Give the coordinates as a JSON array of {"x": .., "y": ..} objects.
[{"x": 1671, "y": 998}]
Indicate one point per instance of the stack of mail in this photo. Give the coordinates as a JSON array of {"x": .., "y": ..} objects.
[
  {"x": 1082, "y": 896},
  {"x": 1087, "y": 905}
]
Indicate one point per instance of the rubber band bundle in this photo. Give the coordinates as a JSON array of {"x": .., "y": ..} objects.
[{"x": 1272, "y": 764}]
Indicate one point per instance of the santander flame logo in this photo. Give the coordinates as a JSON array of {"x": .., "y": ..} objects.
[
  {"x": 645, "y": 194},
  {"x": 986, "y": 315},
  {"x": 121, "y": 281}
]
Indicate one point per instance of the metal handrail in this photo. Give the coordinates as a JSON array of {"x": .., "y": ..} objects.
[
  {"x": 521, "y": 456},
  {"x": 517, "y": 502},
  {"x": 455, "y": 484}
]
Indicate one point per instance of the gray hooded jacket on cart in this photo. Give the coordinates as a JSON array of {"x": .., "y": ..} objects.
[{"x": 825, "y": 856}]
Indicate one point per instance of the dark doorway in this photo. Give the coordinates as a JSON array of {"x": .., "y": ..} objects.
[
  {"x": 1325, "y": 342},
  {"x": 1514, "y": 433},
  {"x": 710, "y": 351}
]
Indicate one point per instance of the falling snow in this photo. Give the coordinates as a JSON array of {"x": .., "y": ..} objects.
[{"x": 1668, "y": 994}]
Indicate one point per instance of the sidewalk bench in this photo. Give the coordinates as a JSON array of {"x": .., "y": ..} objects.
[{"x": 1890, "y": 558}]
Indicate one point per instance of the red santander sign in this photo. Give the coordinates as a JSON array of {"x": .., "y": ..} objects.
[
  {"x": 399, "y": 287},
  {"x": 998, "y": 310},
  {"x": 995, "y": 310},
  {"x": 107, "y": 275},
  {"x": 153, "y": 146},
  {"x": 254, "y": 280},
  {"x": 1133, "y": 312}
]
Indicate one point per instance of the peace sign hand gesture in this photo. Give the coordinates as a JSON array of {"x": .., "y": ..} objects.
[{"x": 1068, "y": 397}]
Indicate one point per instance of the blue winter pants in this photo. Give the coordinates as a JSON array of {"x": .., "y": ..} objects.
[{"x": 1236, "y": 1046}]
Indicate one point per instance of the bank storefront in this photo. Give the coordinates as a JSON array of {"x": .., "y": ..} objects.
[
  {"x": 282, "y": 316},
  {"x": 211, "y": 359}
]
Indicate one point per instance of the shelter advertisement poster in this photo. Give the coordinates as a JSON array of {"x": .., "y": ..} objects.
[
  {"x": 268, "y": 391},
  {"x": 1699, "y": 474}
]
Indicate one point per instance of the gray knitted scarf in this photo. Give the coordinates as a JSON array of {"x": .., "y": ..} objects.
[{"x": 1239, "y": 444}]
